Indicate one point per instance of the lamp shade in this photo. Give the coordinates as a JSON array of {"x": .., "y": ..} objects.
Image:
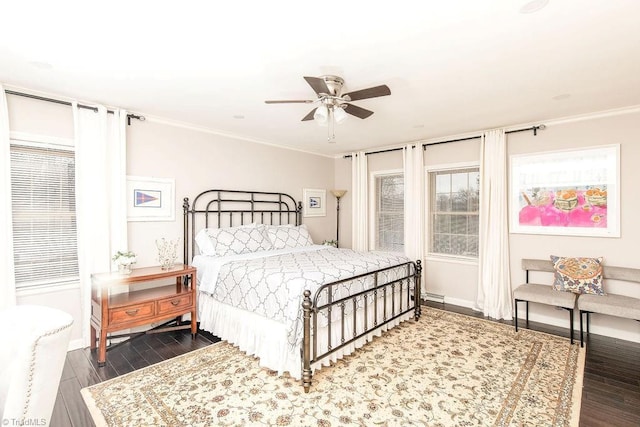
[
  {"x": 339, "y": 114},
  {"x": 338, "y": 193},
  {"x": 321, "y": 115}
]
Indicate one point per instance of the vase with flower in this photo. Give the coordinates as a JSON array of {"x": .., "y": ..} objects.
[
  {"x": 167, "y": 252},
  {"x": 124, "y": 261}
]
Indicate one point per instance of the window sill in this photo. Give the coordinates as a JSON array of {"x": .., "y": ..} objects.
[
  {"x": 451, "y": 260},
  {"x": 45, "y": 289}
]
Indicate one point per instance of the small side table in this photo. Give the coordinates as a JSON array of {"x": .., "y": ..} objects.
[{"x": 110, "y": 313}]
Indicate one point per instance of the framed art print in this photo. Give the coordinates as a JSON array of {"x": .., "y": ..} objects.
[
  {"x": 314, "y": 202},
  {"x": 571, "y": 192},
  {"x": 150, "y": 199}
]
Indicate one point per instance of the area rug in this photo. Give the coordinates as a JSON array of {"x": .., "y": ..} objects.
[{"x": 446, "y": 369}]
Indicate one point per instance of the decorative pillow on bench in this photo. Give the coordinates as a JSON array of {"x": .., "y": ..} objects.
[{"x": 578, "y": 275}]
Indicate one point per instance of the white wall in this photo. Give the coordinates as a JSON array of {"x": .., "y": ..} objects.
[
  {"x": 457, "y": 281},
  {"x": 201, "y": 161},
  {"x": 198, "y": 161},
  {"x": 620, "y": 129}
]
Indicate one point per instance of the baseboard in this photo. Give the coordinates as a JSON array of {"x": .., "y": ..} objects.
[
  {"x": 597, "y": 325},
  {"x": 75, "y": 344},
  {"x": 459, "y": 302},
  {"x": 434, "y": 297}
]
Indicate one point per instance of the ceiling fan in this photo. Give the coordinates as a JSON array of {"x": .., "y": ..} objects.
[{"x": 333, "y": 103}]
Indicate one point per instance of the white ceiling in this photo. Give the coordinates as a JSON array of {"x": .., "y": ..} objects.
[{"x": 453, "y": 67}]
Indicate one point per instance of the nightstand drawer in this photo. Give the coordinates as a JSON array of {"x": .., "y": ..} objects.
[
  {"x": 131, "y": 313},
  {"x": 169, "y": 305}
]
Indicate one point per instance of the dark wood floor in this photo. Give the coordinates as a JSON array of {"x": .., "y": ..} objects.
[{"x": 610, "y": 395}]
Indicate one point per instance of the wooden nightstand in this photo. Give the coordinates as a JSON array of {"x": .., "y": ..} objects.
[{"x": 110, "y": 313}]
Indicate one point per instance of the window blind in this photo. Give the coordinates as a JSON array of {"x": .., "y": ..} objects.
[
  {"x": 390, "y": 212},
  {"x": 454, "y": 207},
  {"x": 44, "y": 215}
]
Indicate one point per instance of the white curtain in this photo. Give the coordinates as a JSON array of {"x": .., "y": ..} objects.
[
  {"x": 100, "y": 195},
  {"x": 7, "y": 273},
  {"x": 360, "y": 213},
  {"x": 494, "y": 279},
  {"x": 414, "y": 199}
]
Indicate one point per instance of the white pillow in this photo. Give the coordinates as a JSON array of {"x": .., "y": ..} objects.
[
  {"x": 232, "y": 240},
  {"x": 289, "y": 237}
]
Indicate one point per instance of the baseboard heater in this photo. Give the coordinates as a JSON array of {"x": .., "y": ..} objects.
[{"x": 435, "y": 297}]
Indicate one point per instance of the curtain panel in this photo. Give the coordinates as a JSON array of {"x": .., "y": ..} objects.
[
  {"x": 414, "y": 205},
  {"x": 494, "y": 278},
  {"x": 7, "y": 274},
  {"x": 360, "y": 209},
  {"x": 100, "y": 195}
]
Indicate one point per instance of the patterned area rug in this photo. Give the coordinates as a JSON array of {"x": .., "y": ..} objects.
[{"x": 446, "y": 369}]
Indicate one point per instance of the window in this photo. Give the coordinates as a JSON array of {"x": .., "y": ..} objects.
[
  {"x": 44, "y": 214},
  {"x": 389, "y": 212},
  {"x": 454, "y": 207}
]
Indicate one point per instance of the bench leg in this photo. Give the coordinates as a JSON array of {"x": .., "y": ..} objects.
[
  {"x": 526, "y": 308},
  {"x": 588, "y": 314},
  {"x": 581, "y": 338},
  {"x": 571, "y": 324}
]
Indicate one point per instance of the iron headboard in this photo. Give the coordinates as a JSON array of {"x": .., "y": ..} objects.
[{"x": 229, "y": 208}]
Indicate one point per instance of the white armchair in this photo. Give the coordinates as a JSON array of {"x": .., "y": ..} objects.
[{"x": 32, "y": 354}]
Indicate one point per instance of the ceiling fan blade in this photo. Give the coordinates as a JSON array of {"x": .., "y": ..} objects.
[
  {"x": 318, "y": 85},
  {"x": 357, "y": 111},
  {"x": 372, "y": 92},
  {"x": 290, "y": 101},
  {"x": 310, "y": 115}
]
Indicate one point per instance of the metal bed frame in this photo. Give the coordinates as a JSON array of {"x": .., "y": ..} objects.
[{"x": 227, "y": 208}]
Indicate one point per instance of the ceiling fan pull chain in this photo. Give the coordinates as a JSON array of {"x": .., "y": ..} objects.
[{"x": 331, "y": 128}]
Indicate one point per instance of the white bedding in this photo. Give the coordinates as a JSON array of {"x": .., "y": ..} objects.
[{"x": 254, "y": 300}]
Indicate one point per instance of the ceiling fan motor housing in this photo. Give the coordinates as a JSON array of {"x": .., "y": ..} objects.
[{"x": 334, "y": 84}]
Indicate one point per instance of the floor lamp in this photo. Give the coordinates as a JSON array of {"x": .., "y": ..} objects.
[{"x": 338, "y": 194}]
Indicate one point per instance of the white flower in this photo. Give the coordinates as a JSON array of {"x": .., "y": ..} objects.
[{"x": 125, "y": 258}]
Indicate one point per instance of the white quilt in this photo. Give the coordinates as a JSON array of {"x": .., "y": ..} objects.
[{"x": 271, "y": 283}]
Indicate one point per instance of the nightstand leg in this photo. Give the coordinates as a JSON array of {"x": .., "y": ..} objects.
[
  {"x": 92, "y": 338},
  {"x": 194, "y": 324},
  {"x": 102, "y": 348}
]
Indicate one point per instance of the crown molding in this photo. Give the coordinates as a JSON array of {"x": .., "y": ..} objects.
[{"x": 190, "y": 126}]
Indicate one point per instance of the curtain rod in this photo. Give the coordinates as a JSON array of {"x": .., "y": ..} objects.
[
  {"x": 348, "y": 156},
  {"x": 58, "y": 101},
  {"x": 533, "y": 128},
  {"x": 424, "y": 146}
]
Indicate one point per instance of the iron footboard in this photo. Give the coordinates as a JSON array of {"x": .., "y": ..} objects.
[{"x": 362, "y": 312}]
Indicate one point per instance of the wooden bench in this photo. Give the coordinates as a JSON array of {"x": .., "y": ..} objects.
[
  {"x": 541, "y": 293},
  {"x": 609, "y": 304}
]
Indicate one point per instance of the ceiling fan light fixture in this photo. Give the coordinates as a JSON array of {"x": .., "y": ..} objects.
[
  {"x": 339, "y": 114},
  {"x": 321, "y": 115}
]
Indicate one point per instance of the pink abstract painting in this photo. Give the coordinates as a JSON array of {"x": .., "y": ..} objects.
[{"x": 566, "y": 207}]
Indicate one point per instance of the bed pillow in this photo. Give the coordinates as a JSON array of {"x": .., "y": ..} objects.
[
  {"x": 233, "y": 240},
  {"x": 205, "y": 245},
  {"x": 289, "y": 237},
  {"x": 578, "y": 275}
]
